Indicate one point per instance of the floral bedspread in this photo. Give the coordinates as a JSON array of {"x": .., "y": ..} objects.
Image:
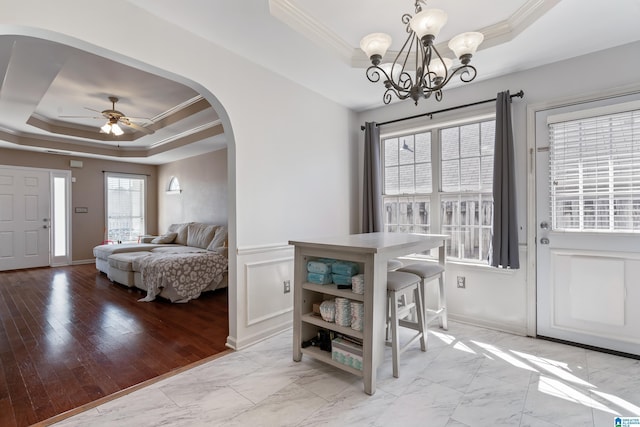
[{"x": 187, "y": 273}]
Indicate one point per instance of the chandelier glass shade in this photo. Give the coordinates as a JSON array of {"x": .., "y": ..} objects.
[
  {"x": 112, "y": 127},
  {"x": 419, "y": 70}
]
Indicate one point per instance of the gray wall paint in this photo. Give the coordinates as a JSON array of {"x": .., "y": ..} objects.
[
  {"x": 204, "y": 183},
  {"x": 88, "y": 191}
]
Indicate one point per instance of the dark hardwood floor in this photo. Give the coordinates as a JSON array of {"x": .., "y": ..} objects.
[{"x": 68, "y": 336}]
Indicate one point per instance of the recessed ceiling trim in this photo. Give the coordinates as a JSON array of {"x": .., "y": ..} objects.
[
  {"x": 207, "y": 132},
  {"x": 180, "y": 112},
  {"x": 311, "y": 28},
  {"x": 81, "y": 132},
  {"x": 494, "y": 35},
  {"x": 49, "y": 144},
  {"x": 186, "y": 134}
]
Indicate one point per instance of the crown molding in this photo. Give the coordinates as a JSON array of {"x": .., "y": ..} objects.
[
  {"x": 299, "y": 21},
  {"x": 494, "y": 35},
  {"x": 192, "y": 135}
]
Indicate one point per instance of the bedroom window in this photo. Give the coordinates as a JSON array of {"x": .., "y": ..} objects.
[
  {"x": 440, "y": 181},
  {"x": 125, "y": 207}
]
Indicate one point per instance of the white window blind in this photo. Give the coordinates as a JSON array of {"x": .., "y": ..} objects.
[
  {"x": 594, "y": 168},
  {"x": 125, "y": 202}
]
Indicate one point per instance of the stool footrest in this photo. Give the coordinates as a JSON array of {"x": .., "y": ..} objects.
[{"x": 409, "y": 324}]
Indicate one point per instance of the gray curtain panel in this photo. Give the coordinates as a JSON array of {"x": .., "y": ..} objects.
[
  {"x": 504, "y": 244},
  {"x": 372, "y": 192}
]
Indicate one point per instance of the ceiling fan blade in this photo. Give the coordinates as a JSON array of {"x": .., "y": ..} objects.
[
  {"x": 81, "y": 117},
  {"x": 91, "y": 109},
  {"x": 125, "y": 121}
]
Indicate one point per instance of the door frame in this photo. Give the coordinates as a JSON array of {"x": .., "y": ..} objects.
[
  {"x": 67, "y": 259},
  {"x": 68, "y": 179},
  {"x": 532, "y": 226}
]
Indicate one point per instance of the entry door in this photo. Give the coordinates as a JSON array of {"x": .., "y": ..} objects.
[
  {"x": 587, "y": 280},
  {"x": 24, "y": 218}
]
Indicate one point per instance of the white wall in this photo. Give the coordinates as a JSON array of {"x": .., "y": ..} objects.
[
  {"x": 505, "y": 300},
  {"x": 286, "y": 146}
]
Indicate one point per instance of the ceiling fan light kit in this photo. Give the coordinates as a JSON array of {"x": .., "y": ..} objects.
[
  {"x": 111, "y": 127},
  {"x": 432, "y": 71}
]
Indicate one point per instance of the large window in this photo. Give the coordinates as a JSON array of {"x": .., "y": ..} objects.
[
  {"x": 407, "y": 183},
  {"x": 459, "y": 159},
  {"x": 595, "y": 173},
  {"x": 125, "y": 201}
]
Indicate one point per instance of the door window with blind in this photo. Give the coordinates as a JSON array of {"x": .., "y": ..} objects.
[
  {"x": 594, "y": 166},
  {"x": 459, "y": 159},
  {"x": 125, "y": 207}
]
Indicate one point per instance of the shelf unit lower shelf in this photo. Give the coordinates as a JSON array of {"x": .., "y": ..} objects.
[
  {"x": 325, "y": 357},
  {"x": 333, "y": 290},
  {"x": 316, "y": 320}
]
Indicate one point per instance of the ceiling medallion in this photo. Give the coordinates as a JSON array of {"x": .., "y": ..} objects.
[{"x": 432, "y": 72}]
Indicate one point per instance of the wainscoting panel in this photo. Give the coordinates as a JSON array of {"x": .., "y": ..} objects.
[
  {"x": 593, "y": 293},
  {"x": 265, "y": 280}
]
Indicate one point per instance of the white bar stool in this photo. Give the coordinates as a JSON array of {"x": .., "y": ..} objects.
[
  {"x": 397, "y": 309},
  {"x": 427, "y": 272},
  {"x": 394, "y": 264}
]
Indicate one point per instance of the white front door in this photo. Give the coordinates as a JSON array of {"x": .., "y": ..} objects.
[
  {"x": 588, "y": 281},
  {"x": 24, "y": 218}
]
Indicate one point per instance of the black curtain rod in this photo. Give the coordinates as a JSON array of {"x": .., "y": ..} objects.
[
  {"x": 127, "y": 173},
  {"x": 519, "y": 95}
]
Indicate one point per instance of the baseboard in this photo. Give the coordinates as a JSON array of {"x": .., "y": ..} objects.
[
  {"x": 83, "y": 261},
  {"x": 234, "y": 344},
  {"x": 489, "y": 324}
]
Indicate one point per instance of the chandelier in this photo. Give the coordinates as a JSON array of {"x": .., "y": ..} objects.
[{"x": 432, "y": 71}]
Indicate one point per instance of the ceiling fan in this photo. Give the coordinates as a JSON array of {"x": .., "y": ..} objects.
[{"x": 116, "y": 118}]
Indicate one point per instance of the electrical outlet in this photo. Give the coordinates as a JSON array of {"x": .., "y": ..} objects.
[
  {"x": 461, "y": 282},
  {"x": 287, "y": 286}
]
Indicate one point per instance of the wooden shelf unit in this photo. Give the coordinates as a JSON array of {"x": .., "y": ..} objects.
[{"x": 371, "y": 252}]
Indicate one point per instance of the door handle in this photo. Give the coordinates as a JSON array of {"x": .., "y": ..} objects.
[
  {"x": 544, "y": 241},
  {"x": 544, "y": 225}
]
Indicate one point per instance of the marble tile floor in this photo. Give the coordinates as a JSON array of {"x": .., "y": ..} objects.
[{"x": 469, "y": 376}]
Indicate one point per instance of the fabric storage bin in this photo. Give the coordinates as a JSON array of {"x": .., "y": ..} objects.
[
  {"x": 345, "y": 268},
  {"x": 319, "y": 278},
  {"x": 319, "y": 266},
  {"x": 339, "y": 279}
]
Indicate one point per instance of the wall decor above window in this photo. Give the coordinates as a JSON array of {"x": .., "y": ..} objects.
[{"x": 174, "y": 186}]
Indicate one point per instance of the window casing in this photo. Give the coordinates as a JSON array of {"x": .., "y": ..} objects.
[
  {"x": 125, "y": 207},
  {"x": 594, "y": 167},
  {"x": 459, "y": 159}
]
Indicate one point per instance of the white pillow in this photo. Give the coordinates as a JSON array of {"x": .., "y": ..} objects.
[
  {"x": 182, "y": 230},
  {"x": 165, "y": 238},
  {"x": 219, "y": 241},
  {"x": 200, "y": 235}
]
